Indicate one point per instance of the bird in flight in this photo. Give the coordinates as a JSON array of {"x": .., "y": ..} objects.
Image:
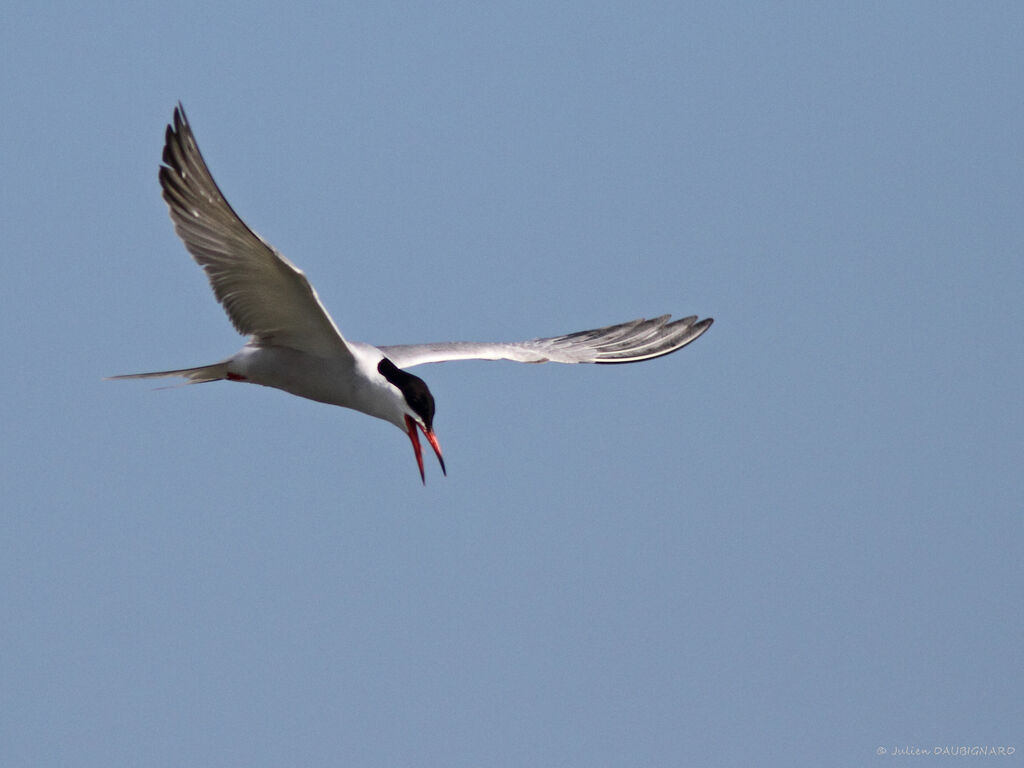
[{"x": 294, "y": 344}]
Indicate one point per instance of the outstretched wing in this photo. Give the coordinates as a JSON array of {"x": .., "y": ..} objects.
[
  {"x": 264, "y": 294},
  {"x": 623, "y": 343}
]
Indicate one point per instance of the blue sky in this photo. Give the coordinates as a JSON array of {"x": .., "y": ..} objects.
[{"x": 798, "y": 540}]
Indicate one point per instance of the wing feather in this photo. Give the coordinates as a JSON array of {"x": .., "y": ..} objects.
[
  {"x": 630, "y": 342},
  {"x": 265, "y": 295}
]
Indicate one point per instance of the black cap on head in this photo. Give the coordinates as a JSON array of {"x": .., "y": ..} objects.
[{"x": 413, "y": 388}]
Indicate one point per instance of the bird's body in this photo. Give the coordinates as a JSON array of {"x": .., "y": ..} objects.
[{"x": 294, "y": 344}]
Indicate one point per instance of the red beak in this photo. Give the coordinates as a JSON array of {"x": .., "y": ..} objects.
[{"x": 410, "y": 426}]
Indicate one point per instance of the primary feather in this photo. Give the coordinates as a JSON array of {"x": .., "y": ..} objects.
[{"x": 622, "y": 343}]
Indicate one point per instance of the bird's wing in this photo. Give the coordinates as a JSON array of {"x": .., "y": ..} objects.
[
  {"x": 264, "y": 294},
  {"x": 623, "y": 343}
]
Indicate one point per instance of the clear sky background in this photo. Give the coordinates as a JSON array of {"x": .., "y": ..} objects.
[{"x": 794, "y": 542}]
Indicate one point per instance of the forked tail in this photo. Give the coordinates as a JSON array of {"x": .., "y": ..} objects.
[{"x": 199, "y": 375}]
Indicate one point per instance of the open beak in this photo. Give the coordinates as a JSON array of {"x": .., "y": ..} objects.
[{"x": 410, "y": 426}]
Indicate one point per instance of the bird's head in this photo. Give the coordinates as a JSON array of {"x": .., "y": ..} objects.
[{"x": 417, "y": 410}]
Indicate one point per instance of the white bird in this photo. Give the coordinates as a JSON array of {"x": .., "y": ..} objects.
[{"x": 294, "y": 344}]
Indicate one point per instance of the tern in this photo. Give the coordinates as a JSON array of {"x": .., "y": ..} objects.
[{"x": 294, "y": 344}]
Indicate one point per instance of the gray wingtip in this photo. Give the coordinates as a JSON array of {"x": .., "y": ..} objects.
[{"x": 669, "y": 337}]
